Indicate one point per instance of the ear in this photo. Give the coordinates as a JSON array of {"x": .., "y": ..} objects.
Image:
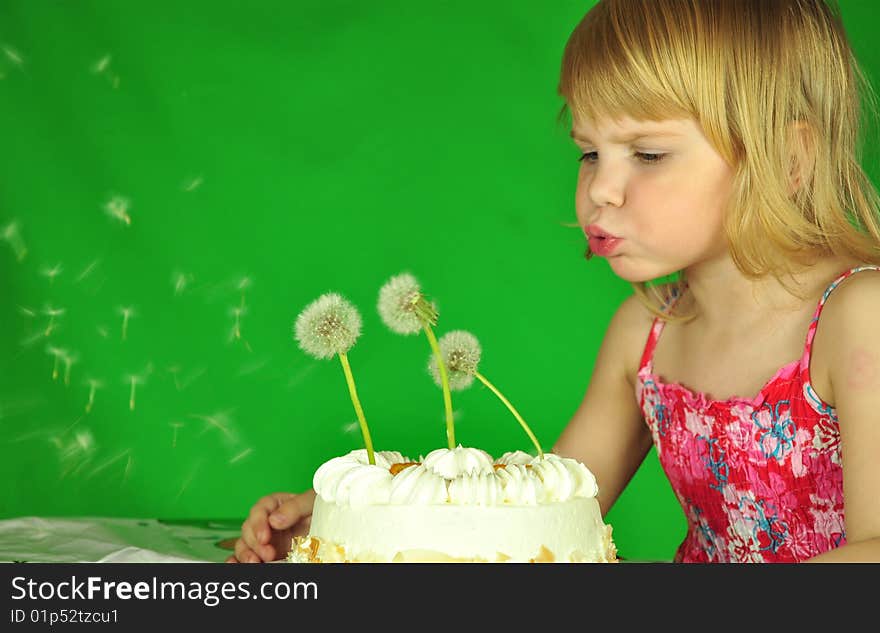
[{"x": 801, "y": 156}]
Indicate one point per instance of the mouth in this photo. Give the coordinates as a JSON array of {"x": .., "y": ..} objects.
[{"x": 602, "y": 243}]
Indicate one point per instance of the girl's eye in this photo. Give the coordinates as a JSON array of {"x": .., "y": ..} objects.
[{"x": 649, "y": 159}]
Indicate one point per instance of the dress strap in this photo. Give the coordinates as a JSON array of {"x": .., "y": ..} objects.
[
  {"x": 811, "y": 332},
  {"x": 654, "y": 335}
]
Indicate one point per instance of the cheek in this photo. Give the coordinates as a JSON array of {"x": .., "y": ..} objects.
[{"x": 678, "y": 210}]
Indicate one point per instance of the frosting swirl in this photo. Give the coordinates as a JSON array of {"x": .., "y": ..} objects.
[{"x": 461, "y": 476}]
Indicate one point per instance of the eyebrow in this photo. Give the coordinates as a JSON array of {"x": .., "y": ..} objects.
[{"x": 626, "y": 138}]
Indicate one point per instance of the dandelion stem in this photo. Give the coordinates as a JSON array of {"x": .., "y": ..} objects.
[
  {"x": 349, "y": 378},
  {"x": 444, "y": 381},
  {"x": 512, "y": 410}
]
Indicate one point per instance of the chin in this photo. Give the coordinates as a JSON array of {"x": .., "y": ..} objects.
[{"x": 635, "y": 271}]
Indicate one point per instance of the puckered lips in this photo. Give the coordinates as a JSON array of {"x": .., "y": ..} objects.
[{"x": 602, "y": 243}]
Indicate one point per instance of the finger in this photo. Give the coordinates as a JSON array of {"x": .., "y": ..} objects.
[
  {"x": 248, "y": 535},
  {"x": 245, "y": 554},
  {"x": 260, "y": 512},
  {"x": 287, "y": 514},
  {"x": 231, "y": 559},
  {"x": 263, "y": 550}
]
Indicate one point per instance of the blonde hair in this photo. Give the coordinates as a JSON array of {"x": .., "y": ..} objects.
[{"x": 749, "y": 72}]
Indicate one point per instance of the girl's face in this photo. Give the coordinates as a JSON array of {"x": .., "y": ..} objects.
[{"x": 651, "y": 195}]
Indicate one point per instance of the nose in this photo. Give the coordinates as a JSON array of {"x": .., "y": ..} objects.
[{"x": 605, "y": 186}]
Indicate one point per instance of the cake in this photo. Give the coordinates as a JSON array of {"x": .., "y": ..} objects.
[{"x": 454, "y": 505}]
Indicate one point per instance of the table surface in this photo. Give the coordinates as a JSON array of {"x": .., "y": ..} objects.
[{"x": 111, "y": 539}]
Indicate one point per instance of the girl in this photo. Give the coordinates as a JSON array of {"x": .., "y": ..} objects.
[{"x": 719, "y": 154}]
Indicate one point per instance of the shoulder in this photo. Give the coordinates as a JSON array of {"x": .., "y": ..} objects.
[
  {"x": 855, "y": 301},
  {"x": 849, "y": 320},
  {"x": 628, "y": 332}
]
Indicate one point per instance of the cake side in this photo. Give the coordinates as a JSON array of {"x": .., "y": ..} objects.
[{"x": 455, "y": 505}]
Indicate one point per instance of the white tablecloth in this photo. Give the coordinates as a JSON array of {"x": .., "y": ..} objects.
[{"x": 119, "y": 540}]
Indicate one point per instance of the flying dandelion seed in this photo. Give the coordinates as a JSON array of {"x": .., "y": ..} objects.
[
  {"x": 117, "y": 207},
  {"x": 102, "y": 331},
  {"x": 134, "y": 380},
  {"x": 101, "y": 65},
  {"x": 175, "y": 426},
  {"x": 74, "y": 454},
  {"x": 241, "y": 455},
  {"x": 193, "y": 184},
  {"x": 127, "y": 312},
  {"x": 52, "y": 313},
  {"x": 69, "y": 360},
  {"x": 192, "y": 377},
  {"x": 299, "y": 376},
  {"x": 13, "y": 55},
  {"x": 180, "y": 281},
  {"x": 252, "y": 368},
  {"x": 93, "y": 385},
  {"x": 219, "y": 420},
  {"x": 243, "y": 284},
  {"x": 187, "y": 482},
  {"x": 351, "y": 427},
  {"x": 27, "y": 312},
  {"x": 236, "y": 313},
  {"x": 27, "y": 342},
  {"x": 58, "y": 353},
  {"x": 106, "y": 464},
  {"x": 87, "y": 271},
  {"x": 53, "y": 272},
  {"x": 12, "y": 235},
  {"x": 127, "y": 470},
  {"x": 174, "y": 370}
]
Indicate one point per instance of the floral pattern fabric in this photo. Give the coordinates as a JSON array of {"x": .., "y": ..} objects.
[{"x": 760, "y": 479}]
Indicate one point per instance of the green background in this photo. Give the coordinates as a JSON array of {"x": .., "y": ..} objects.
[{"x": 270, "y": 152}]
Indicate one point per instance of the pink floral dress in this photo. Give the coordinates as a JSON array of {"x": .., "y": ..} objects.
[{"x": 759, "y": 479}]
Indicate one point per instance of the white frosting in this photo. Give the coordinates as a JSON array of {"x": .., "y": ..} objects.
[
  {"x": 455, "y": 504},
  {"x": 464, "y": 476},
  {"x": 457, "y": 461}
]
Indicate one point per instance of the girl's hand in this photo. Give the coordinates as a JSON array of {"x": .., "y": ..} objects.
[{"x": 273, "y": 522}]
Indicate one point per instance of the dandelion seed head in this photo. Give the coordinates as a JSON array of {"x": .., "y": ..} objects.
[
  {"x": 328, "y": 326},
  {"x": 461, "y": 354},
  {"x": 402, "y": 306}
]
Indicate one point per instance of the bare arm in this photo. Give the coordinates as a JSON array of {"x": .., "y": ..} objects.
[
  {"x": 607, "y": 432},
  {"x": 854, "y": 369}
]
